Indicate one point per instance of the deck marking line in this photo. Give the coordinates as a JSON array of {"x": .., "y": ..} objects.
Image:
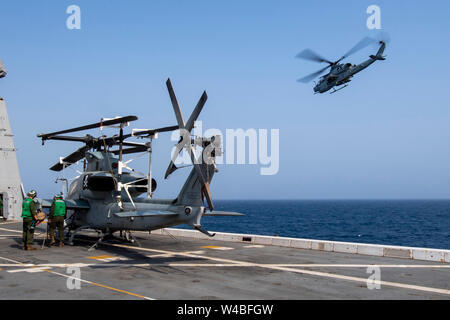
[
  {"x": 84, "y": 265},
  {"x": 349, "y": 278},
  {"x": 316, "y": 273},
  {"x": 31, "y": 269},
  {"x": 86, "y": 281},
  {"x": 217, "y": 248}
]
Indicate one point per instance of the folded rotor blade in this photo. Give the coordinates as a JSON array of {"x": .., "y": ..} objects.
[
  {"x": 172, "y": 167},
  {"x": 46, "y": 136},
  {"x": 176, "y": 107},
  {"x": 151, "y": 132},
  {"x": 308, "y": 54},
  {"x": 138, "y": 149},
  {"x": 134, "y": 144},
  {"x": 207, "y": 193},
  {"x": 196, "y": 112},
  {"x": 71, "y": 159},
  {"x": 310, "y": 77},
  {"x": 69, "y": 138}
]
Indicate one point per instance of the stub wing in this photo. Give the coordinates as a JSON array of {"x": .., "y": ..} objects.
[
  {"x": 145, "y": 213},
  {"x": 70, "y": 204}
]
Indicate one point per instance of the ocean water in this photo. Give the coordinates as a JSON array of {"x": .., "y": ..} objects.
[{"x": 415, "y": 223}]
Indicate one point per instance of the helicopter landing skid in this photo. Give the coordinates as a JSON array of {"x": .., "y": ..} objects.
[
  {"x": 72, "y": 234},
  {"x": 101, "y": 236},
  {"x": 128, "y": 237}
]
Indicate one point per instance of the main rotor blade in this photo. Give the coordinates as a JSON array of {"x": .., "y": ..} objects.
[
  {"x": 151, "y": 132},
  {"x": 308, "y": 54},
  {"x": 137, "y": 149},
  {"x": 196, "y": 112},
  {"x": 70, "y": 138},
  {"x": 46, "y": 136},
  {"x": 135, "y": 144},
  {"x": 176, "y": 107},
  {"x": 71, "y": 159},
  {"x": 310, "y": 77},
  {"x": 360, "y": 45}
]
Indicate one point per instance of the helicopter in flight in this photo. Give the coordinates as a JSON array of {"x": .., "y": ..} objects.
[
  {"x": 340, "y": 73},
  {"x": 105, "y": 196}
]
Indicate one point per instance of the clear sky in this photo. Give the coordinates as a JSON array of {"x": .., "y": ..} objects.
[{"x": 385, "y": 136}]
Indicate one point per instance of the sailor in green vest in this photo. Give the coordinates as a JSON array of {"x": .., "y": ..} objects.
[
  {"x": 56, "y": 219},
  {"x": 28, "y": 215}
]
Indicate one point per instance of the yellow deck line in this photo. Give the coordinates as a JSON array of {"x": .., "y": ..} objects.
[{"x": 86, "y": 281}]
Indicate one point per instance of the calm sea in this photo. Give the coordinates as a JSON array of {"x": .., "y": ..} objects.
[{"x": 416, "y": 223}]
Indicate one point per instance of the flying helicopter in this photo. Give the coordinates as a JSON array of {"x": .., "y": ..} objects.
[
  {"x": 105, "y": 196},
  {"x": 2, "y": 70},
  {"x": 340, "y": 74}
]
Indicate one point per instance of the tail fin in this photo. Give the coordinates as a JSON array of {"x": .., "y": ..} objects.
[
  {"x": 191, "y": 193},
  {"x": 379, "y": 55}
]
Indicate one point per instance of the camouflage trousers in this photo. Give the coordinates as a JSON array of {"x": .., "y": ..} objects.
[
  {"x": 57, "y": 222},
  {"x": 27, "y": 236}
]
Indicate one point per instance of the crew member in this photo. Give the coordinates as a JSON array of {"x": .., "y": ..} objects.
[
  {"x": 56, "y": 219},
  {"x": 28, "y": 215}
]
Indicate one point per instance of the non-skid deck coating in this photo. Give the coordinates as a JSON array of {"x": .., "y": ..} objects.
[{"x": 166, "y": 267}]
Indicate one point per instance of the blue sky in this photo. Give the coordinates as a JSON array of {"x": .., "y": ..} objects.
[{"x": 385, "y": 136}]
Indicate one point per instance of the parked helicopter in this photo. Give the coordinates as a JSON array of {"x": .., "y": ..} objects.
[
  {"x": 340, "y": 74},
  {"x": 105, "y": 197}
]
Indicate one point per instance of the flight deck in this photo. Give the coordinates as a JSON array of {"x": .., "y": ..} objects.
[{"x": 164, "y": 265}]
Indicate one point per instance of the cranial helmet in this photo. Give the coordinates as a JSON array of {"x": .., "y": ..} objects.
[{"x": 32, "y": 193}]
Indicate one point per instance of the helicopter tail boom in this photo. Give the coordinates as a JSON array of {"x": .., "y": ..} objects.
[
  {"x": 192, "y": 192},
  {"x": 379, "y": 55}
]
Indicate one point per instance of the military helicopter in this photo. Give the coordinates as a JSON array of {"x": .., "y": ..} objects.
[
  {"x": 2, "y": 70},
  {"x": 105, "y": 197},
  {"x": 340, "y": 74}
]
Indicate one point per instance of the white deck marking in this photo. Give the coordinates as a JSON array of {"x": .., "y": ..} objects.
[
  {"x": 175, "y": 264},
  {"x": 85, "y": 281},
  {"x": 289, "y": 268},
  {"x": 30, "y": 269},
  {"x": 9, "y": 222},
  {"x": 313, "y": 273},
  {"x": 255, "y": 246},
  {"x": 9, "y": 230},
  {"x": 217, "y": 248}
]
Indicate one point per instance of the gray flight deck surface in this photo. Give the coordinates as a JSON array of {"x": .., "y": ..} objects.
[{"x": 167, "y": 267}]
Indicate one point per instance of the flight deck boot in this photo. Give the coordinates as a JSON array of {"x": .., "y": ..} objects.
[
  {"x": 30, "y": 248},
  {"x": 61, "y": 244},
  {"x": 52, "y": 240}
]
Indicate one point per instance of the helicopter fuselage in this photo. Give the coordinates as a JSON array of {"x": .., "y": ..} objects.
[{"x": 341, "y": 74}]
